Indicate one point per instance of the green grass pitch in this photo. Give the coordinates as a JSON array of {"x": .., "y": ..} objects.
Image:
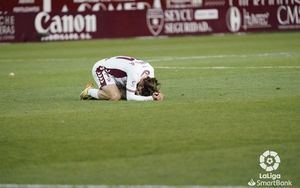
[{"x": 228, "y": 99}]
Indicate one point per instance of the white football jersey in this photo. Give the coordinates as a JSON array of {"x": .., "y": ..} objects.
[{"x": 127, "y": 71}]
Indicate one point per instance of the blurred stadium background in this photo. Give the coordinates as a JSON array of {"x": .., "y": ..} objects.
[{"x": 229, "y": 69}]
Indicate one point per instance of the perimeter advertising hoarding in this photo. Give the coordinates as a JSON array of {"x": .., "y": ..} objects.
[{"x": 48, "y": 20}]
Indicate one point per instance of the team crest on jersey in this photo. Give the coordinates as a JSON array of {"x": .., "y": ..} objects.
[
  {"x": 155, "y": 20},
  {"x": 133, "y": 83}
]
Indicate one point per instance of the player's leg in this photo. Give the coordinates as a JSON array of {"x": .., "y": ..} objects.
[
  {"x": 112, "y": 92},
  {"x": 97, "y": 94},
  {"x": 108, "y": 92},
  {"x": 122, "y": 90},
  {"x": 94, "y": 93},
  {"x": 108, "y": 88}
]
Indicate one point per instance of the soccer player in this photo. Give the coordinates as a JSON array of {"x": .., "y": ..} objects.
[{"x": 123, "y": 77}]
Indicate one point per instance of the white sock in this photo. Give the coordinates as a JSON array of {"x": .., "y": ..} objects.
[{"x": 93, "y": 93}]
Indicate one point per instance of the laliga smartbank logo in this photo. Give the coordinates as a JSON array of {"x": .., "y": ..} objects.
[{"x": 269, "y": 161}]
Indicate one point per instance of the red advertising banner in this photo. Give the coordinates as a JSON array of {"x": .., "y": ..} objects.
[{"x": 48, "y": 20}]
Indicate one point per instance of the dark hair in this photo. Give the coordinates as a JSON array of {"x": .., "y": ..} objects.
[{"x": 150, "y": 86}]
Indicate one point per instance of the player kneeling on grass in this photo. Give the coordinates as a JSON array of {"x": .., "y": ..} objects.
[{"x": 123, "y": 77}]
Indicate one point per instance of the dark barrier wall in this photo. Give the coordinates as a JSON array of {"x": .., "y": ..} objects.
[{"x": 47, "y": 20}]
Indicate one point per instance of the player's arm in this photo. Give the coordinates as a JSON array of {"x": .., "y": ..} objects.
[
  {"x": 157, "y": 96},
  {"x": 131, "y": 96}
]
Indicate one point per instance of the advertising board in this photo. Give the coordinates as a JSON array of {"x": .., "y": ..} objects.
[{"x": 50, "y": 20}]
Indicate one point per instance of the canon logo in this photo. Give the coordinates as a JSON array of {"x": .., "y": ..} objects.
[{"x": 65, "y": 24}]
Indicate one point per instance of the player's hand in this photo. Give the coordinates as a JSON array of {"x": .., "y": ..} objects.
[{"x": 158, "y": 96}]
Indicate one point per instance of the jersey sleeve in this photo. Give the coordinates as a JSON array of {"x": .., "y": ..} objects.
[{"x": 133, "y": 97}]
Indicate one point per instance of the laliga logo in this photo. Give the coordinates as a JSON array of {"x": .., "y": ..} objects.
[
  {"x": 269, "y": 160},
  {"x": 155, "y": 18}
]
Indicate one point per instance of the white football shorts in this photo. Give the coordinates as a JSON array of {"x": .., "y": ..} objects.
[{"x": 101, "y": 76}]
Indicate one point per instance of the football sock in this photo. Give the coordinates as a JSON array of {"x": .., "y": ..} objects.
[{"x": 93, "y": 93}]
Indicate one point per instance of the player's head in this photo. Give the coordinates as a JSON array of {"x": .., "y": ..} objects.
[{"x": 148, "y": 86}]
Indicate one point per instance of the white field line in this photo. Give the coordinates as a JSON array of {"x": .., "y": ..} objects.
[
  {"x": 45, "y": 60},
  {"x": 286, "y": 54},
  {"x": 222, "y": 67},
  {"x": 112, "y": 186},
  {"x": 165, "y": 58}
]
